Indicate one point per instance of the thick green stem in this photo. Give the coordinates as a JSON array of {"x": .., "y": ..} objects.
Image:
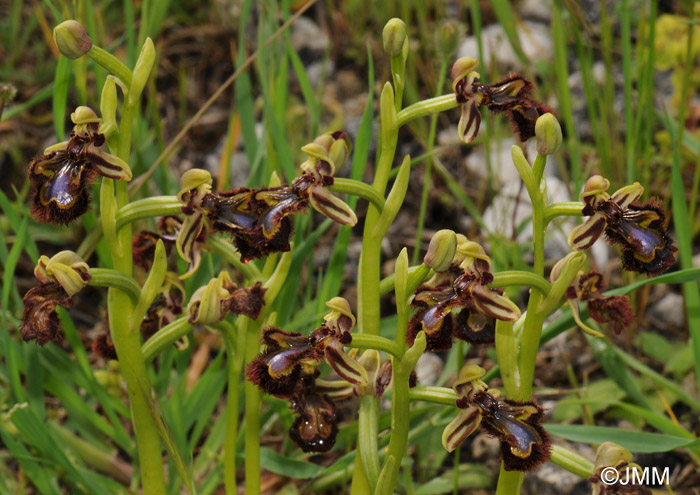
[
  {"x": 235, "y": 344},
  {"x": 359, "y": 189},
  {"x": 509, "y": 482},
  {"x": 127, "y": 342},
  {"x": 427, "y": 107},
  {"x": 368, "y": 432},
  {"x": 368, "y": 287},
  {"x": 252, "y": 414}
]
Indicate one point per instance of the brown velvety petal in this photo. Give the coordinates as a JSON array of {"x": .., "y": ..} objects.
[
  {"x": 39, "y": 319},
  {"x": 247, "y": 301},
  {"x": 615, "y": 310},
  {"x": 315, "y": 429},
  {"x": 258, "y": 372},
  {"x": 474, "y": 327},
  {"x": 104, "y": 347}
]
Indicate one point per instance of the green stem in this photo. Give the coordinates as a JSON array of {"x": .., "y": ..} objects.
[
  {"x": 564, "y": 209},
  {"x": 111, "y": 63},
  {"x": 368, "y": 433},
  {"x": 235, "y": 343},
  {"x": 106, "y": 277},
  {"x": 436, "y": 395},
  {"x": 359, "y": 189},
  {"x": 126, "y": 342},
  {"x": 509, "y": 482},
  {"x": 166, "y": 336},
  {"x": 368, "y": 287},
  {"x": 158, "y": 206},
  {"x": 532, "y": 328},
  {"x": 427, "y": 107},
  {"x": 572, "y": 462},
  {"x": 519, "y": 278},
  {"x": 252, "y": 413},
  {"x": 365, "y": 341}
]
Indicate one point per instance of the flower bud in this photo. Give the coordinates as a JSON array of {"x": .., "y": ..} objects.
[
  {"x": 206, "y": 304},
  {"x": 441, "y": 250},
  {"x": 394, "y": 36},
  {"x": 446, "y": 37},
  {"x": 65, "y": 268},
  {"x": 108, "y": 106},
  {"x": 340, "y": 314},
  {"x": 71, "y": 39},
  {"x": 7, "y": 93},
  {"x": 548, "y": 132}
]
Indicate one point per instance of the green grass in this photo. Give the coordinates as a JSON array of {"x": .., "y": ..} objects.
[{"x": 71, "y": 401}]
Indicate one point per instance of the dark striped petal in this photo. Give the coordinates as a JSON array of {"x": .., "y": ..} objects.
[
  {"x": 584, "y": 236},
  {"x": 470, "y": 121},
  {"x": 466, "y": 422},
  {"x": 332, "y": 206},
  {"x": 347, "y": 368}
]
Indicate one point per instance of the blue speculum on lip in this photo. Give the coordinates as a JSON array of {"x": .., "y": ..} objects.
[
  {"x": 645, "y": 241},
  {"x": 61, "y": 186}
]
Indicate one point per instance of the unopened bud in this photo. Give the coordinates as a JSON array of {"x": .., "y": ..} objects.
[
  {"x": 446, "y": 38},
  {"x": 441, "y": 250},
  {"x": 71, "y": 39},
  {"x": 394, "y": 36},
  {"x": 548, "y": 132},
  {"x": 205, "y": 306},
  {"x": 7, "y": 93}
]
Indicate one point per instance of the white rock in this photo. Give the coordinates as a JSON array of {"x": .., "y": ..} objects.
[
  {"x": 428, "y": 369},
  {"x": 669, "y": 310},
  {"x": 534, "y": 39}
]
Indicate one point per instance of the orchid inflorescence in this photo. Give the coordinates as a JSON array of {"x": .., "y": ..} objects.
[{"x": 453, "y": 294}]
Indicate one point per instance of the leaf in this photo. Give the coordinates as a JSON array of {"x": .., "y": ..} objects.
[
  {"x": 60, "y": 95},
  {"x": 291, "y": 468},
  {"x": 634, "y": 441}
]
